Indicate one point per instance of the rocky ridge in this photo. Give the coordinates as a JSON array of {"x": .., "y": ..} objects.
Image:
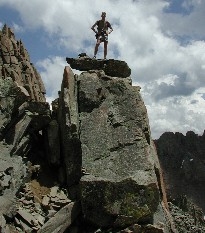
[
  {"x": 183, "y": 155},
  {"x": 182, "y": 161},
  {"x": 90, "y": 165}
]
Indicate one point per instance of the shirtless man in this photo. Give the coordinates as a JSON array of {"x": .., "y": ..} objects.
[{"x": 102, "y": 33}]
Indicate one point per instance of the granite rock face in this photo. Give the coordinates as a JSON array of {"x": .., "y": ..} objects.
[{"x": 116, "y": 151}]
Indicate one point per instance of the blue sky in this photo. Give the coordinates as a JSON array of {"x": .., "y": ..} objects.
[
  {"x": 178, "y": 7},
  {"x": 162, "y": 42}
]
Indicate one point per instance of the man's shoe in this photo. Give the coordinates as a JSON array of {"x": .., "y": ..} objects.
[{"x": 94, "y": 57}]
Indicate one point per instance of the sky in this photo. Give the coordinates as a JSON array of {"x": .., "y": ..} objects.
[{"x": 162, "y": 41}]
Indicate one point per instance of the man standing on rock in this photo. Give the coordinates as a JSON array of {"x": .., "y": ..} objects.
[{"x": 102, "y": 33}]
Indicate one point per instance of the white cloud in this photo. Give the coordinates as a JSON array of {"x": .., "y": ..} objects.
[
  {"x": 177, "y": 115},
  {"x": 51, "y": 71},
  {"x": 17, "y": 28},
  {"x": 165, "y": 51}
]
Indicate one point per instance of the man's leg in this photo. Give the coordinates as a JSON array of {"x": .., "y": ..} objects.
[
  {"x": 105, "y": 49},
  {"x": 96, "y": 48}
]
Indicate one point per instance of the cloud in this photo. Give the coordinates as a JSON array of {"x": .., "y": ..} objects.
[
  {"x": 162, "y": 42},
  {"x": 51, "y": 71},
  {"x": 177, "y": 114},
  {"x": 180, "y": 87},
  {"x": 71, "y": 20},
  {"x": 191, "y": 25},
  {"x": 17, "y": 28}
]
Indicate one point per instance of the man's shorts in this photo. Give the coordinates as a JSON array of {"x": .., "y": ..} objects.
[{"x": 103, "y": 37}]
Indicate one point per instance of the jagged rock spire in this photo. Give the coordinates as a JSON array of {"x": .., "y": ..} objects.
[{"x": 15, "y": 64}]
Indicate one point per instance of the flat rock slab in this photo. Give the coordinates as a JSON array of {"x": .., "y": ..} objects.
[
  {"x": 27, "y": 216},
  {"x": 62, "y": 219},
  {"x": 111, "y": 67}
]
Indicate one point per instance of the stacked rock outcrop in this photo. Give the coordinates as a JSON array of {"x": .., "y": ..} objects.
[
  {"x": 107, "y": 148},
  {"x": 90, "y": 165}
]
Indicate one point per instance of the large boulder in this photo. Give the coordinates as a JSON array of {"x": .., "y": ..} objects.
[{"x": 120, "y": 187}]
